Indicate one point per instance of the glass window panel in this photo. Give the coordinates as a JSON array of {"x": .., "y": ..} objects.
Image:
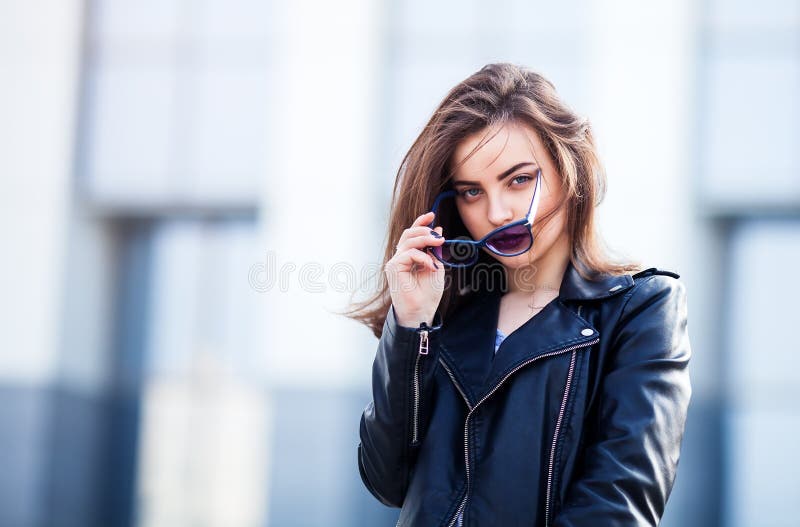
[
  {"x": 129, "y": 131},
  {"x": 205, "y": 420},
  {"x": 556, "y": 18},
  {"x": 745, "y": 14},
  {"x": 762, "y": 466},
  {"x": 225, "y": 135},
  {"x": 437, "y": 18},
  {"x": 177, "y": 101},
  {"x": 240, "y": 20},
  {"x": 148, "y": 20},
  {"x": 753, "y": 130},
  {"x": 201, "y": 302},
  {"x": 763, "y": 309}
]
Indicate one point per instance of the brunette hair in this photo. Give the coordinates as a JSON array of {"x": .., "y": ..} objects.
[{"x": 495, "y": 95}]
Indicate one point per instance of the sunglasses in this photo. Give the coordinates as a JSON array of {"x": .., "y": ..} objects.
[{"x": 509, "y": 240}]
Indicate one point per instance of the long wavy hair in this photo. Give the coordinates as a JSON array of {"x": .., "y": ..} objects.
[{"x": 495, "y": 95}]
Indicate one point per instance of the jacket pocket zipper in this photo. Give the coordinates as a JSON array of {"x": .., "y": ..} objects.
[{"x": 421, "y": 351}]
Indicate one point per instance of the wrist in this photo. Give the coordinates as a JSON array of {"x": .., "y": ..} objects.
[{"x": 414, "y": 321}]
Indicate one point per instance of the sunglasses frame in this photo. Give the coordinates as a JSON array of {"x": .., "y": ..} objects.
[{"x": 526, "y": 221}]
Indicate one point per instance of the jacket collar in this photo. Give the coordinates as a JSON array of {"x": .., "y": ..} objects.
[
  {"x": 467, "y": 343},
  {"x": 576, "y": 287},
  {"x": 468, "y": 339}
]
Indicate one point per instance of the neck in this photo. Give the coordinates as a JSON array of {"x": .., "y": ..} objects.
[{"x": 545, "y": 274}]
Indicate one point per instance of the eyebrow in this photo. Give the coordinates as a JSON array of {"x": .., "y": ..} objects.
[{"x": 501, "y": 177}]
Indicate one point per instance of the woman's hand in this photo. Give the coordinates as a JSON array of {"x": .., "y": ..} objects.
[{"x": 416, "y": 279}]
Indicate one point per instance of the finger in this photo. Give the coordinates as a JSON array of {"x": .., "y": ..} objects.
[
  {"x": 423, "y": 219},
  {"x": 420, "y": 242},
  {"x": 412, "y": 256},
  {"x": 414, "y": 232}
]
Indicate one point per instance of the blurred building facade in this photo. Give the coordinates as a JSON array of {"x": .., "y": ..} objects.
[{"x": 190, "y": 185}]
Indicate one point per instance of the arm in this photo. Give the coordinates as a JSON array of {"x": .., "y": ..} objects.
[
  {"x": 394, "y": 423},
  {"x": 633, "y": 442}
]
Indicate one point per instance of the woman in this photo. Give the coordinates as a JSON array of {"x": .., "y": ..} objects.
[{"x": 521, "y": 377}]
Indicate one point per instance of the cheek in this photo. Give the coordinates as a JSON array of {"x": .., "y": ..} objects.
[
  {"x": 469, "y": 217},
  {"x": 555, "y": 227}
]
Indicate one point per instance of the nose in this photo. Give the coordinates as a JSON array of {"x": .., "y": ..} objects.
[{"x": 500, "y": 211}]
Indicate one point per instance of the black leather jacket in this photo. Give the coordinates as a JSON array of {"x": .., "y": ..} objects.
[{"x": 576, "y": 421}]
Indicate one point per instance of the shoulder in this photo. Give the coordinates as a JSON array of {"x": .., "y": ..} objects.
[
  {"x": 648, "y": 322},
  {"x": 655, "y": 271},
  {"x": 655, "y": 281},
  {"x": 657, "y": 294}
]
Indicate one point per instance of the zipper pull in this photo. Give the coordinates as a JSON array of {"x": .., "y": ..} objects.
[{"x": 423, "y": 338}]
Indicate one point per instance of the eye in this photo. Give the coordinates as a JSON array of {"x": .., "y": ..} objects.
[
  {"x": 522, "y": 179},
  {"x": 469, "y": 192}
]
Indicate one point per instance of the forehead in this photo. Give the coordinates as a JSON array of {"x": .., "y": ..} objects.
[{"x": 503, "y": 146}]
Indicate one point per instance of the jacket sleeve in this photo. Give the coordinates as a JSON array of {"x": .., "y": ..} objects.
[
  {"x": 633, "y": 440},
  {"x": 393, "y": 424}
]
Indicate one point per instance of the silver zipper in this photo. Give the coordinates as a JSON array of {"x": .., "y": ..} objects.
[
  {"x": 555, "y": 437},
  {"x": 466, "y": 442},
  {"x": 423, "y": 342},
  {"x": 551, "y": 467},
  {"x": 496, "y": 387},
  {"x": 423, "y": 350}
]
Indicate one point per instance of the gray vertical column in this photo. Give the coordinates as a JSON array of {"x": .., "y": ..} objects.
[
  {"x": 747, "y": 159},
  {"x": 40, "y": 50},
  {"x": 319, "y": 234}
]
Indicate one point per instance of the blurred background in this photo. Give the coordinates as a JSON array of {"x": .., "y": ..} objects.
[{"x": 190, "y": 186}]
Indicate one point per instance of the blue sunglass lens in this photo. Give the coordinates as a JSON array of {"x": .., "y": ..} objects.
[
  {"x": 455, "y": 253},
  {"x": 511, "y": 241}
]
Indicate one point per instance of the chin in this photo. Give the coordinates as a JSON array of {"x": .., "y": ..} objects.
[{"x": 513, "y": 263}]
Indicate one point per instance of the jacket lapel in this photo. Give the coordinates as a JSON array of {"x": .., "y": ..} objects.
[
  {"x": 554, "y": 329},
  {"x": 468, "y": 338},
  {"x": 467, "y": 343}
]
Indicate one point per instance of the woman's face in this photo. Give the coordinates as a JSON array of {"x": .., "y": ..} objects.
[{"x": 486, "y": 202}]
